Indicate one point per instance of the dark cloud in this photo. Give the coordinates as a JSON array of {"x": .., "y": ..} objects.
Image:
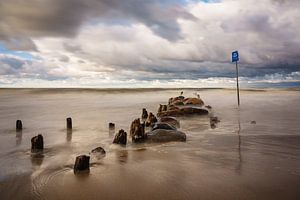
[
  {"x": 35, "y": 18},
  {"x": 161, "y": 19}
]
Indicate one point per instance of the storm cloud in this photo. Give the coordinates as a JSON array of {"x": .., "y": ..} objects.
[
  {"x": 148, "y": 41},
  {"x": 35, "y": 18}
]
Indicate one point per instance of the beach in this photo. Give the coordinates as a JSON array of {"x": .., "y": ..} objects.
[{"x": 238, "y": 159}]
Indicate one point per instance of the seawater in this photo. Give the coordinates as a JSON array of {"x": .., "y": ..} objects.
[{"x": 236, "y": 160}]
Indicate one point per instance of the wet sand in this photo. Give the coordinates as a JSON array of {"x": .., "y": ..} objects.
[{"x": 236, "y": 160}]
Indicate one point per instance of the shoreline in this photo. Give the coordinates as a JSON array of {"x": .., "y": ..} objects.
[{"x": 153, "y": 89}]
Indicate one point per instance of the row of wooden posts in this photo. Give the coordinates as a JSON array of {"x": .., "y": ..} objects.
[
  {"x": 81, "y": 162},
  {"x": 19, "y": 125}
]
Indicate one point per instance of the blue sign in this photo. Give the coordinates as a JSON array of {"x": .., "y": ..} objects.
[{"x": 235, "y": 56}]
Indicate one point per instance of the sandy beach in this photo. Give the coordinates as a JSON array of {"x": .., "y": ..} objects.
[{"x": 236, "y": 160}]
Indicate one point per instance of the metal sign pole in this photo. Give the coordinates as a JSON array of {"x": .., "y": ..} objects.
[
  {"x": 235, "y": 58},
  {"x": 237, "y": 83}
]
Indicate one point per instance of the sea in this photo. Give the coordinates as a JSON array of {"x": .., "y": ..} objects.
[{"x": 252, "y": 153}]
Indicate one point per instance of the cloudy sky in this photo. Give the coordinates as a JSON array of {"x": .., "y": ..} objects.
[{"x": 148, "y": 43}]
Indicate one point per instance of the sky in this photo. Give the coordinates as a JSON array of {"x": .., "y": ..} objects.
[{"x": 149, "y": 43}]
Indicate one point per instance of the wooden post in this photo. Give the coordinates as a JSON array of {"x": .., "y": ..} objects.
[
  {"x": 120, "y": 138},
  {"x": 37, "y": 143},
  {"x": 69, "y": 123},
  {"x": 237, "y": 83},
  {"x": 82, "y": 164},
  {"x": 111, "y": 126},
  {"x": 19, "y": 125},
  {"x": 144, "y": 114}
]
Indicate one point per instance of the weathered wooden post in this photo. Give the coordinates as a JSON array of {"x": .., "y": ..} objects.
[
  {"x": 111, "y": 126},
  {"x": 137, "y": 131},
  {"x": 82, "y": 164},
  {"x": 164, "y": 108},
  {"x": 159, "y": 108},
  {"x": 120, "y": 137},
  {"x": 150, "y": 120},
  {"x": 69, "y": 123},
  {"x": 19, "y": 125},
  {"x": 37, "y": 143},
  {"x": 144, "y": 114}
]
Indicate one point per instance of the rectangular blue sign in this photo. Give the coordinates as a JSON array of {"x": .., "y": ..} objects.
[{"x": 235, "y": 56}]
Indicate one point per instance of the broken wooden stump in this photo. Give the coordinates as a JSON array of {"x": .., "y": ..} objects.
[
  {"x": 69, "y": 123},
  {"x": 159, "y": 108},
  {"x": 111, "y": 126},
  {"x": 162, "y": 108},
  {"x": 37, "y": 143},
  {"x": 82, "y": 164},
  {"x": 144, "y": 114},
  {"x": 170, "y": 101},
  {"x": 150, "y": 120},
  {"x": 19, "y": 125},
  {"x": 137, "y": 131},
  {"x": 120, "y": 137}
]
